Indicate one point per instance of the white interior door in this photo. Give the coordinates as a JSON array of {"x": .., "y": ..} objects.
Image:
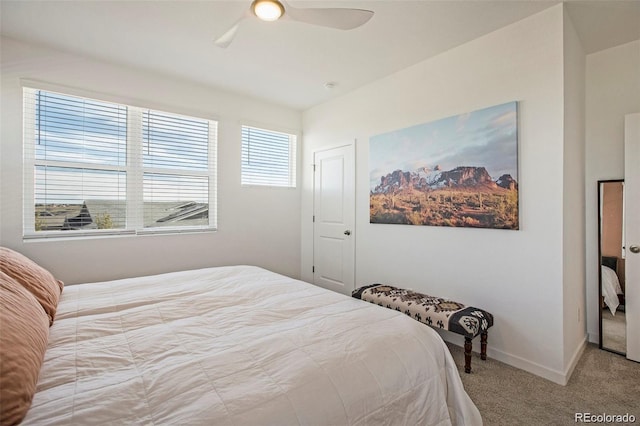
[
  {"x": 334, "y": 219},
  {"x": 632, "y": 232}
]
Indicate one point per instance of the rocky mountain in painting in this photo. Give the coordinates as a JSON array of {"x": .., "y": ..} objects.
[
  {"x": 507, "y": 182},
  {"x": 425, "y": 179}
]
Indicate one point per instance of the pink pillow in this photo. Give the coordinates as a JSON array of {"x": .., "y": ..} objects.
[
  {"x": 24, "y": 330},
  {"x": 34, "y": 278}
]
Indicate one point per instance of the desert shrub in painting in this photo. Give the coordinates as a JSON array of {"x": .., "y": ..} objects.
[{"x": 447, "y": 207}]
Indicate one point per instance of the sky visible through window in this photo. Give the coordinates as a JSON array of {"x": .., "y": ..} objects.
[
  {"x": 74, "y": 134},
  {"x": 107, "y": 166},
  {"x": 79, "y": 138}
]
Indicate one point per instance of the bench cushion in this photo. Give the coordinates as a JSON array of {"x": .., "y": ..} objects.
[{"x": 434, "y": 311}]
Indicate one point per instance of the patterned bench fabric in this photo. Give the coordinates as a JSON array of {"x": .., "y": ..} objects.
[{"x": 434, "y": 311}]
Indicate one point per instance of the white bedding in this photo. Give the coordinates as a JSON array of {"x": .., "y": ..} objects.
[
  {"x": 241, "y": 346},
  {"x": 610, "y": 288}
]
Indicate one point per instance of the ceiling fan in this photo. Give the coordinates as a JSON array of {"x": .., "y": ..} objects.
[{"x": 272, "y": 10}]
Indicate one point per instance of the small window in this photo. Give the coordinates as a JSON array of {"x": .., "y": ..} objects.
[{"x": 268, "y": 158}]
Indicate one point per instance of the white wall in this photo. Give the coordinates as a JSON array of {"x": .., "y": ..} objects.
[
  {"x": 516, "y": 275},
  {"x": 612, "y": 91},
  {"x": 256, "y": 226},
  {"x": 574, "y": 323}
]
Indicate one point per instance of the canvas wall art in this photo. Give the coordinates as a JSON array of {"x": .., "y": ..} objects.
[{"x": 459, "y": 171}]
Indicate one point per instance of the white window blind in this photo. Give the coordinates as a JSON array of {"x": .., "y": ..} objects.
[
  {"x": 94, "y": 167},
  {"x": 268, "y": 157},
  {"x": 176, "y": 164}
]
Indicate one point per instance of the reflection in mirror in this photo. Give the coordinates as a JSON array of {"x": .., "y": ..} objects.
[{"x": 612, "y": 278}]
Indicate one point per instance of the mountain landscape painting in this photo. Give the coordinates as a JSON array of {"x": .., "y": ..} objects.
[{"x": 459, "y": 171}]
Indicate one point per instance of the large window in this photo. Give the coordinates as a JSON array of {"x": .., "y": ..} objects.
[
  {"x": 94, "y": 167},
  {"x": 268, "y": 157}
]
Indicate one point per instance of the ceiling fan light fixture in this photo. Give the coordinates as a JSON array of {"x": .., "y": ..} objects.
[
  {"x": 272, "y": 10},
  {"x": 267, "y": 10}
]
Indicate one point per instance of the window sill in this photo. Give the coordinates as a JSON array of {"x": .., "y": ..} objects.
[{"x": 59, "y": 236}]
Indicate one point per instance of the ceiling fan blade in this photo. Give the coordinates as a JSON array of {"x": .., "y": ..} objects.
[
  {"x": 225, "y": 39},
  {"x": 342, "y": 19}
]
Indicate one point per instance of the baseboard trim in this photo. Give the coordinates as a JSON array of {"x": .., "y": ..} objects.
[
  {"x": 532, "y": 367},
  {"x": 556, "y": 376},
  {"x": 577, "y": 354}
]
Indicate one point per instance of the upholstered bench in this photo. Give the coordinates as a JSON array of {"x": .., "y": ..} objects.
[{"x": 434, "y": 311}]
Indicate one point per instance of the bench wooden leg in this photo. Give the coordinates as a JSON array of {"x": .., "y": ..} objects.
[
  {"x": 483, "y": 345},
  {"x": 468, "y": 346}
]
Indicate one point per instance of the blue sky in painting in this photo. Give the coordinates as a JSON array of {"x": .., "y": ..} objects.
[{"x": 483, "y": 138}]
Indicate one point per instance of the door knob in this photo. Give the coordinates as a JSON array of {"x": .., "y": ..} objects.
[
  {"x": 347, "y": 232},
  {"x": 635, "y": 248}
]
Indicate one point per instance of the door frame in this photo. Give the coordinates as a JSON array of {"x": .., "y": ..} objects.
[
  {"x": 354, "y": 233},
  {"x": 632, "y": 233}
]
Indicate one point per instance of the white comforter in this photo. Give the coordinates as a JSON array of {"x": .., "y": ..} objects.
[{"x": 240, "y": 346}]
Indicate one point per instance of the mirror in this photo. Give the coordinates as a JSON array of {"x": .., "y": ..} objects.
[{"x": 613, "y": 325}]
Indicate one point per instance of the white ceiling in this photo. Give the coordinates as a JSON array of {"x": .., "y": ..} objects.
[{"x": 287, "y": 62}]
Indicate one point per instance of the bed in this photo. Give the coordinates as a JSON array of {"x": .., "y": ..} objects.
[
  {"x": 612, "y": 292},
  {"x": 240, "y": 345}
]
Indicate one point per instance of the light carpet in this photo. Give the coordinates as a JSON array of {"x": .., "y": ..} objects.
[
  {"x": 602, "y": 383},
  {"x": 614, "y": 331}
]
